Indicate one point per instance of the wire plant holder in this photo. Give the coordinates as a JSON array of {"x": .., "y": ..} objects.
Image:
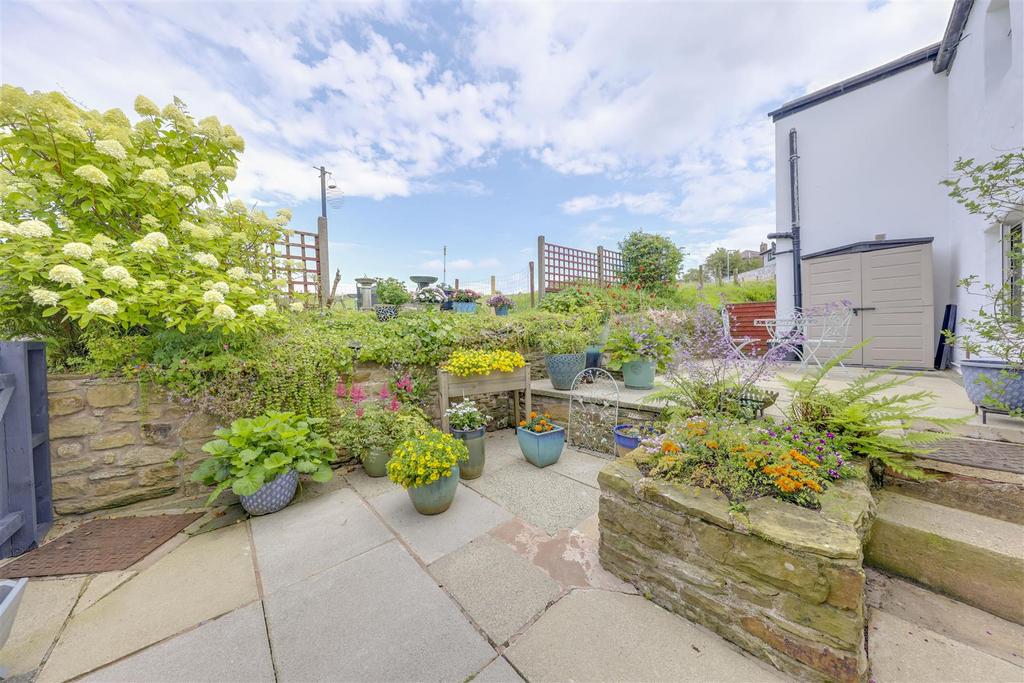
[{"x": 593, "y": 412}]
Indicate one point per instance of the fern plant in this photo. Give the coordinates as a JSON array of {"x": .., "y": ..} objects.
[{"x": 868, "y": 417}]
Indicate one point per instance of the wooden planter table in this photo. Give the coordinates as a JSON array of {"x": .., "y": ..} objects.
[{"x": 449, "y": 385}]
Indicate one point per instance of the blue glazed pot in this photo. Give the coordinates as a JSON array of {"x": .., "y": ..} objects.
[
  {"x": 563, "y": 368},
  {"x": 541, "y": 450},
  {"x": 474, "y": 440},
  {"x": 625, "y": 444},
  {"x": 638, "y": 374},
  {"x": 272, "y": 496},
  {"x": 594, "y": 356},
  {"x": 464, "y": 306},
  {"x": 991, "y": 382},
  {"x": 501, "y": 310},
  {"x": 435, "y": 498}
]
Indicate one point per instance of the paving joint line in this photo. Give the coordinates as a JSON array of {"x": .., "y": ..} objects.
[{"x": 261, "y": 595}]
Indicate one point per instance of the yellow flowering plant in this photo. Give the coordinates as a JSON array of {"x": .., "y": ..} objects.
[
  {"x": 108, "y": 221},
  {"x": 468, "y": 362},
  {"x": 425, "y": 458}
]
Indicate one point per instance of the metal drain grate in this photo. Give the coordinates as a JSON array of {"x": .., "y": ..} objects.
[
  {"x": 100, "y": 545},
  {"x": 988, "y": 455}
]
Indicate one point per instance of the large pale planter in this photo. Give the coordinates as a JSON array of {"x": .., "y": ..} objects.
[
  {"x": 638, "y": 374},
  {"x": 475, "y": 439},
  {"x": 272, "y": 496},
  {"x": 435, "y": 498},
  {"x": 783, "y": 582},
  {"x": 989, "y": 383},
  {"x": 375, "y": 462},
  {"x": 563, "y": 368},
  {"x": 542, "y": 449}
]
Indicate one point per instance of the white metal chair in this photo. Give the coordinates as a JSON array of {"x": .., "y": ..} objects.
[
  {"x": 738, "y": 343},
  {"x": 825, "y": 329}
]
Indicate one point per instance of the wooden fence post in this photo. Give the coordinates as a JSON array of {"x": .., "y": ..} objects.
[
  {"x": 494, "y": 289},
  {"x": 456, "y": 284},
  {"x": 532, "y": 303},
  {"x": 600, "y": 265},
  {"x": 540, "y": 268}
]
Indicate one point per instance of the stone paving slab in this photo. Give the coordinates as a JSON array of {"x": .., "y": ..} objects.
[
  {"x": 594, "y": 635},
  {"x": 904, "y": 652},
  {"x": 433, "y": 536},
  {"x": 376, "y": 617},
  {"x": 498, "y": 671},
  {"x": 207, "y": 576},
  {"x": 309, "y": 537},
  {"x": 580, "y": 466},
  {"x": 368, "y": 486},
  {"x": 100, "y": 586},
  {"x": 502, "y": 450},
  {"x": 231, "y": 648},
  {"x": 45, "y": 606},
  {"x": 500, "y": 590},
  {"x": 545, "y": 499}
]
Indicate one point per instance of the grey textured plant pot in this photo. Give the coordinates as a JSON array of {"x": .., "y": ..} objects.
[
  {"x": 375, "y": 462},
  {"x": 435, "y": 498},
  {"x": 272, "y": 496},
  {"x": 385, "y": 312},
  {"x": 563, "y": 368},
  {"x": 991, "y": 382},
  {"x": 474, "y": 440}
]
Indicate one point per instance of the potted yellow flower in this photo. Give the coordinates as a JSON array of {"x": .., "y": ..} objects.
[{"x": 427, "y": 466}]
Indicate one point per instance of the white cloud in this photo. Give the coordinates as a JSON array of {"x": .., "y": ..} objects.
[{"x": 650, "y": 203}]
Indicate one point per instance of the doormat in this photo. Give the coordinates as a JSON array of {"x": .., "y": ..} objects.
[{"x": 100, "y": 545}]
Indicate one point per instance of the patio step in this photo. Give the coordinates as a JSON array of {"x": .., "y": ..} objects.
[
  {"x": 983, "y": 477},
  {"x": 969, "y": 557}
]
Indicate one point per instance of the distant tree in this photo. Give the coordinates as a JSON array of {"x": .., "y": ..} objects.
[
  {"x": 723, "y": 263},
  {"x": 649, "y": 260}
]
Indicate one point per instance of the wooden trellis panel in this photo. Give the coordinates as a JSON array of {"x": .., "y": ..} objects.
[
  {"x": 296, "y": 259},
  {"x": 564, "y": 266}
]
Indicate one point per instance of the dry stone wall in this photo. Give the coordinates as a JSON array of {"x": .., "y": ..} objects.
[{"x": 783, "y": 582}]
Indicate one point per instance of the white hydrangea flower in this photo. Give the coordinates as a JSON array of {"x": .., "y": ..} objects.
[
  {"x": 111, "y": 148},
  {"x": 257, "y": 277},
  {"x": 236, "y": 206},
  {"x": 285, "y": 215},
  {"x": 65, "y": 274},
  {"x": 146, "y": 107},
  {"x": 296, "y": 306},
  {"x": 77, "y": 250},
  {"x": 201, "y": 233},
  {"x": 100, "y": 262},
  {"x": 236, "y": 273},
  {"x": 44, "y": 297},
  {"x": 205, "y": 259},
  {"x": 224, "y": 312},
  {"x": 129, "y": 282},
  {"x": 227, "y": 172},
  {"x": 258, "y": 310},
  {"x": 103, "y": 306},
  {"x": 247, "y": 290},
  {"x": 150, "y": 221},
  {"x": 156, "y": 176},
  {"x": 212, "y": 296},
  {"x": 150, "y": 243},
  {"x": 7, "y": 229},
  {"x": 65, "y": 223},
  {"x": 184, "y": 191},
  {"x": 33, "y": 228},
  {"x": 157, "y": 238},
  {"x": 144, "y": 247},
  {"x": 91, "y": 174},
  {"x": 101, "y": 242},
  {"x": 115, "y": 273}
]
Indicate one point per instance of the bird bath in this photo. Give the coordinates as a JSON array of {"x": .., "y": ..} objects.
[{"x": 422, "y": 280}]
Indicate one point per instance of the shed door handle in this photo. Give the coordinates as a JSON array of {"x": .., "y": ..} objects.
[{"x": 863, "y": 308}]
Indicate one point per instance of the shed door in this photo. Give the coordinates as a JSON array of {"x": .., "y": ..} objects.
[
  {"x": 897, "y": 296},
  {"x": 831, "y": 279}
]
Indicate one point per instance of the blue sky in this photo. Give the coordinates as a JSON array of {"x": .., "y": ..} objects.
[{"x": 478, "y": 125}]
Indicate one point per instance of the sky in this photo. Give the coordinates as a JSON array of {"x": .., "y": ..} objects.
[{"x": 478, "y": 126}]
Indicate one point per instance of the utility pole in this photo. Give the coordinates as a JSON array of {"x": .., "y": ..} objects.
[
  {"x": 322, "y": 240},
  {"x": 444, "y": 265}
]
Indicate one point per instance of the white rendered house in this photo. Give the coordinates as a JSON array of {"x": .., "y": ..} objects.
[{"x": 870, "y": 153}]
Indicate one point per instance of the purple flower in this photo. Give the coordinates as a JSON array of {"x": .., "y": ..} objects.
[
  {"x": 830, "y": 435},
  {"x": 833, "y": 473}
]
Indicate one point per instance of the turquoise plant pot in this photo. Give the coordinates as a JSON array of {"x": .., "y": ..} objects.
[
  {"x": 464, "y": 306},
  {"x": 541, "y": 450},
  {"x": 474, "y": 440},
  {"x": 375, "y": 462},
  {"x": 563, "y": 368},
  {"x": 435, "y": 498},
  {"x": 638, "y": 374},
  {"x": 501, "y": 310}
]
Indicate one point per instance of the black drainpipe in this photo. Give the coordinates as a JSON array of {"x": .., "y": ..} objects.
[{"x": 794, "y": 203}]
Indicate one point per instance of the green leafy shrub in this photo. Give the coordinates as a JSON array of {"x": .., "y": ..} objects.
[
  {"x": 377, "y": 423},
  {"x": 392, "y": 292},
  {"x": 637, "y": 339},
  {"x": 104, "y": 221},
  {"x": 649, "y": 261},
  {"x": 253, "y": 452},
  {"x": 564, "y": 341}
]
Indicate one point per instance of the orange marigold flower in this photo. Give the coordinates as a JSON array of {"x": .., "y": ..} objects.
[
  {"x": 533, "y": 414},
  {"x": 711, "y": 444},
  {"x": 522, "y": 423},
  {"x": 670, "y": 447}
]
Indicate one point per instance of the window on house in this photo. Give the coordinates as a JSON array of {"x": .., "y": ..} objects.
[{"x": 1013, "y": 265}]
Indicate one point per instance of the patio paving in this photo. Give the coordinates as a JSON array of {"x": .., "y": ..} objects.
[{"x": 349, "y": 584}]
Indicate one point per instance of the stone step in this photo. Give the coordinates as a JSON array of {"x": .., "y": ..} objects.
[
  {"x": 983, "y": 477},
  {"x": 970, "y": 557}
]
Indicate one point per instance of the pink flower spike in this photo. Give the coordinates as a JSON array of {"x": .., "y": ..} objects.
[
  {"x": 360, "y": 412},
  {"x": 340, "y": 390},
  {"x": 357, "y": 394},
  {"x": 394, "y": 405},
  {"x": 384, "y": 393}
]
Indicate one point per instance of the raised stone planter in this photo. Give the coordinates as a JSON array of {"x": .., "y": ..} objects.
[{"x": 784, "y": 583}]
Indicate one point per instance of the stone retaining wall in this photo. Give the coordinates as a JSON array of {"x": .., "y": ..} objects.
[{"x": 783, "y": 582}]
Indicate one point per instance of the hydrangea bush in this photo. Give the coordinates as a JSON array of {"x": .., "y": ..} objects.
[{"x": 105, "y": 220}]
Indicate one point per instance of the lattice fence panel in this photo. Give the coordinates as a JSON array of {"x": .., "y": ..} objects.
[
  {"x": 297, "y": 261},
  {"x": 564, "y": 266}
]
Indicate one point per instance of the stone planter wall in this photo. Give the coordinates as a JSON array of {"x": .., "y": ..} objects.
[
  {"x": 115, "y": 442},
  {"x": 783, "y": 582}
]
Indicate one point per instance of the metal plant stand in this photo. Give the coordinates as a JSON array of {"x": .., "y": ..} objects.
[{"x": 593, "y": 412}]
